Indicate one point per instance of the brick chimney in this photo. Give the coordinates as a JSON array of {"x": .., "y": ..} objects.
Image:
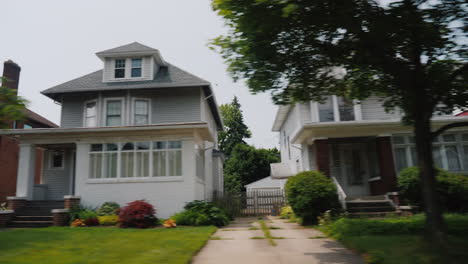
[{"x": 11, "y": 71}]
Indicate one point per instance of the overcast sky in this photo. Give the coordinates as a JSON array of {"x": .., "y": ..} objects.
[{"x": 55, "y": 41}]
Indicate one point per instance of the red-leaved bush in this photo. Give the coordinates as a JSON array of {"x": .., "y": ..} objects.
[
  {"x": 138, "y": 214},
  {"x": 91, "y": 222}
]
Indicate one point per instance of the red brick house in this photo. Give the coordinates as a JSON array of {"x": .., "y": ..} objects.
[{"x": 9, "y": 146}]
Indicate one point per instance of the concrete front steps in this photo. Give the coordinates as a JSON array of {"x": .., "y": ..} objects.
[
  {"x": 35, "y": 214},
  {"x": 370, "y": 207}
]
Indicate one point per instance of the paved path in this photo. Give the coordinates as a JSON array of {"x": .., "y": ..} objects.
[{"x": 233, "y": 244}]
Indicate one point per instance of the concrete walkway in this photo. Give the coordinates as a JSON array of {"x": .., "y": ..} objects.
[{"x": 234, "y": 244}]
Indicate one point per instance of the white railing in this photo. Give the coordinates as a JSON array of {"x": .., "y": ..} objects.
[{"x": 341, "y": 193}]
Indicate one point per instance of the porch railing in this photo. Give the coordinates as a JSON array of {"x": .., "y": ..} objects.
[{"x": 341, "y": 193}]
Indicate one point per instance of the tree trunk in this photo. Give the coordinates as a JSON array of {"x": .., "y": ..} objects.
[{"x": 435, "y": 226}]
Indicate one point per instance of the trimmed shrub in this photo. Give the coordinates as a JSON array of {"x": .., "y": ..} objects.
[
  {"x": 346, "y": 227},
  {"x": 138, "y": 214},
  {"x": 452, "y": 189},
  {"x": 108, "y": 220},
  {"x": 286, "y": 212},
  {"x": 311, "y": 193},
  {"x": 199, "y": 213},
  {"x": 108, "y": 208}
]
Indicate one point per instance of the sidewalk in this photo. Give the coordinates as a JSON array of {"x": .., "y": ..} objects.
[{"x": 233, "y": 244}]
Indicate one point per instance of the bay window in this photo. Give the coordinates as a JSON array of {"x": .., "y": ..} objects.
[
  {"x": 90, "y": 115},
  {"x": 450, "y": 152},
  {"x": 135, "y": 159},
  {"x": 141, "y": 111},
  {"x": 113, "y": 113}
]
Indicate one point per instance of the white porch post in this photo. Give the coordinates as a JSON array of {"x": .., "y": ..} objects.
[{"x": 26, "y": 169}]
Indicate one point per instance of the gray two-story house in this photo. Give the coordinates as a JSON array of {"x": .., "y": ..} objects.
[{"x": 140, "y": 128}]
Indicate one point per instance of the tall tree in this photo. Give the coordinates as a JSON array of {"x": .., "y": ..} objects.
[
  {"x": 248, "y": 164},
  {"x": 409, "y": 51},
  {"x": 235, "y": 130},
  {"x": 12, "y": 107}
]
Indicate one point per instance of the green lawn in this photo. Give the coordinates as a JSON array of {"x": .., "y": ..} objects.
[
  {"x": 101, "y": 245},
  {"x": 400, "y": 240},
  {"x": 406, "y": 249}
]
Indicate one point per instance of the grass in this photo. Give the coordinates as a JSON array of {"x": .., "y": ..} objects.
[
  {"x": 400, "y": 240},
  {"x": 257, "y": 237},
  {"x": 317, "y": 237},
  {"x": 254, "y": 228},
  {"x": 64, "y": 245},
  {"x": 406, "y": 249},
  {"x": 267, "y": 233},
  {"x": 275, "y": 227}
]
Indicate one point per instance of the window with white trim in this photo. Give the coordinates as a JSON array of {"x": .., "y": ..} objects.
[
  {"x": 141, "y": 110},
  {"x": 450, "y": 151},
  {"x": 90, "y": 114},
  {"x": 56, "y": 159},
  {"x": 135, "y": 159},
  {"x": 136, "y": 68},
  {"x": 336, "y": 108},
  {"x": 119, "y": 68},
  {"x": 114, "y": 109}
]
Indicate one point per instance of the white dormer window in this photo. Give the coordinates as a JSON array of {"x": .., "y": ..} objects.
[
  {"x": 136, "y": 68},
  {"x": 90, "y": 114},
  {"x": 119, "y": 71}
]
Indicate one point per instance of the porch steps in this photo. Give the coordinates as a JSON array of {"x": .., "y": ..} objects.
[
  {"x": 35, "y": 214},
  {"x": 370, "y": 207}
]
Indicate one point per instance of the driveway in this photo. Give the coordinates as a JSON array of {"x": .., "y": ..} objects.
[{"x": 234, "y": 244}]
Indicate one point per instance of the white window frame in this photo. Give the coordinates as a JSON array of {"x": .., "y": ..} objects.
[
  {"x": 458, "y": 143},
  {"x": 132, "y": 110},
  {"x": 134, "y": 178},
  {"x": 51, "y": 160},
  {"x": 131, "y": 67},
  {"x": 336, "y": 110},
  {"x": 122, "y": 112},
  {"x": 97, "y": 112},
  {"x": 124, "y": 68}
]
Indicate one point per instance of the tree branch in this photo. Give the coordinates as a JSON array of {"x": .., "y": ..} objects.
[
  {"x": 459, "y": 71},
  {"x": 447, "y": 127}
]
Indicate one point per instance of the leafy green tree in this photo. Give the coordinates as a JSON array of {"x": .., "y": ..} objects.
[
  {"x": 411, "y": 52},
  {"x": 12, "y": 107},
  {"x": 248, "y": 164},
  {"x": 235, "y": 130}
]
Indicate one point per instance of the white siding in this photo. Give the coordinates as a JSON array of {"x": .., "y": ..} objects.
[
  {"x": 290, "y": 153},
  {"x": 168, "y": 197},
  {"x": 306, "y": 116},
  {"x": 372, "y": 109}
]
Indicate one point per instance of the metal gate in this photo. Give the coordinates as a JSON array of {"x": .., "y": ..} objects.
[{"x": 252, "y": 203}]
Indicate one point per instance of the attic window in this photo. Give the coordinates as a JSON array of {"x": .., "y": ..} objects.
[
  {"x": 119, "y": 69},
  {"x": 136, "y": 68}
]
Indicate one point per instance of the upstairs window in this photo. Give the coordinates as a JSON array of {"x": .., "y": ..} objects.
[
  {"x": 136, "y": 68},
  {"x": 119, "y": 71},
  {"x": 90, "y": 114},
  {"x": 141, "y": 112},
  {"x": 336, "y": 108},
  {"x": 114, "y": 112}
]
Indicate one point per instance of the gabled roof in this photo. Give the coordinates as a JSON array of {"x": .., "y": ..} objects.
[
  {"x": 132, "y": 47},
  {"x": 170, "y": 76}
]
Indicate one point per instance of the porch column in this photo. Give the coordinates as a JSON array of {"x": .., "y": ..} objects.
[
  {"x": 26, "y": 169},
  {"x": 322, "y": 156}
]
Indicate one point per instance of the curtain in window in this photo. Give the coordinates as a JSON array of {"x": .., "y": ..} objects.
[
  {"x": 400, "y": 158},
  {"x": 141, "y": 112},
  {"x": 159, "y": 163},
  {"x": 126, "y": 159},
  {"x": 326, "y": 110},
  {"x": 110, "y": 162},
  {"x": 91, "y": 114},
  {"x": 142, "y": 166},
  {"x": 114, "y": 117},
  {"x": 437, "y": 156},
  {"x": 346, "y": 109},
  {"x": 452, "y": 158},
  {"x": 95, "y": 165}
]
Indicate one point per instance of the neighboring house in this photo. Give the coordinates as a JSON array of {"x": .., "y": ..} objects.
[
  {"x": 266, "y": 184},
  {"x": 140, "y": 128},
  {"x": 9, "y": 147},
  {"x": 358, "y": 144}
]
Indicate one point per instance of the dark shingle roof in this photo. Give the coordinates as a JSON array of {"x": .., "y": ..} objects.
[
  {"x": 170, "y": 76},
  {"x": 132, "y": 47}
]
